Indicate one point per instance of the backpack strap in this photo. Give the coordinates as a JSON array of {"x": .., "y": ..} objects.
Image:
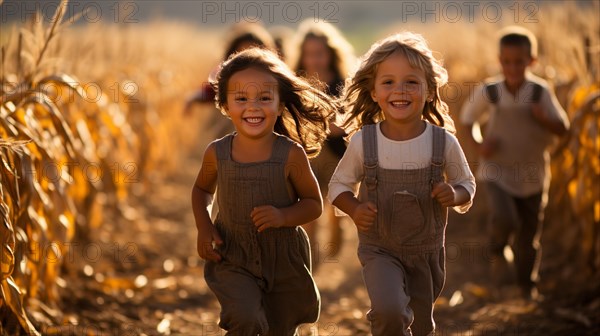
[
  {"x": 492, "y": 93},
  {"x": 537, "y": 93},
  {"x": 370, "y": 160},
  {"x": 493, "y": 96}
]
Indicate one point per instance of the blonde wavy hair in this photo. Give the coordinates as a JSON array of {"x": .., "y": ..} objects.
[{"x": 359, "y": 105}]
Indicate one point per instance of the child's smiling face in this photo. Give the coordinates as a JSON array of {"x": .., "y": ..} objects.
[
  {"x": 400, "y": 90},
  {"x": 253, "y": 102},
  {"x": 316, "y": 56},
  {"x": 514, "y": 60}
]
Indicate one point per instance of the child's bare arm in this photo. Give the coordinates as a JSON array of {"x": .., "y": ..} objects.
[
  {"x": 554, "y": 125},
  {"x": 484, "y": 146},
  {"x": 309, "y": 205},
  {"x": 363, "y": 214},
  {"x": 202, "y": 192},
  {"x": 474, "y": 109}
]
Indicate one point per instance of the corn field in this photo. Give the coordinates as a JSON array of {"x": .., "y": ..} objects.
[
  {"x": 91, "y": 121},
  {"x": 53, "y": 136},
  {"x": 71, "y": 150}
]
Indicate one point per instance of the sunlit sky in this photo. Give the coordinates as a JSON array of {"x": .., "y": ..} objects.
[{"x": 347, "y": 14}]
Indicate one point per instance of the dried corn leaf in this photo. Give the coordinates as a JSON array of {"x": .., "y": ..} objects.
[{"x": 12, "y": 296}]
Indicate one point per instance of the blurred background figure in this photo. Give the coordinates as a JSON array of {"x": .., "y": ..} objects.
[
  {"x": 282, "y": 36},
  {"x": 323, "y": 54},
  {"x": 522, "y": 116},
  {"x": 241, "y": 36}
]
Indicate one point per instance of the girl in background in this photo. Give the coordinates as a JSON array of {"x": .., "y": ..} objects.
[{"x": 325, "y": 55}]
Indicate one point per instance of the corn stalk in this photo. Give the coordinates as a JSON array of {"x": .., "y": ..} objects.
[{"x": 51, "y": 133}]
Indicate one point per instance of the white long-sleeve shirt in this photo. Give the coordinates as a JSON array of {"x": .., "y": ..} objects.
[{"x": 415, "y": 153}]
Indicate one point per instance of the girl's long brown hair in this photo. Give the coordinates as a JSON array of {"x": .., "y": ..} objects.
[
  {"x": 306, "y": 108},
  {"x": 342, "y": 53},
  {"x": 253, "y": 33},
  {"x": 360, "y": 107}
]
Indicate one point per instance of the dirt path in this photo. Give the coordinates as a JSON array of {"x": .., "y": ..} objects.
[{"x": 148, "y": 280}]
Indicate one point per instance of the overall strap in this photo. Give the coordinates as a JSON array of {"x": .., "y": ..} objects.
[
  {"x": 437, "y": 164},
  {"x": 437, "y": 159},
  {"x": 223, "y": 147},
  {"x": 370, "y": 160},
  {"x": 281, "y": 149}
]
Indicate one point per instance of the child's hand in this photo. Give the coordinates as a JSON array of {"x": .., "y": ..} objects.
[
  {"x": 488, "y": 147},
  {"x": 208, "y": 235},
  {"x": 364, "y": 216},
  {"x": 267, "y": 216},
  {"x": 445, "y": 194}
]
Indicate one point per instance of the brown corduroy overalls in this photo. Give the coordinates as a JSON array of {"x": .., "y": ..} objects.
[
  {"x": 263, "y": 282},
  {"x": 403, "y": 254}
]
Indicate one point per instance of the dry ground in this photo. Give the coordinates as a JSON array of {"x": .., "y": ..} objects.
[{"x": 148, "y": 280}]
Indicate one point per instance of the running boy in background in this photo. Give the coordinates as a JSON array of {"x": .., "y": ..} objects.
[{"x": 522, "y": 115}]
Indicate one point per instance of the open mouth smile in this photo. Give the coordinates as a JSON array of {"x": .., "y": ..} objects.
[
  {"x": 254, "y": 120},
  {"x": 400, "y": 103}
]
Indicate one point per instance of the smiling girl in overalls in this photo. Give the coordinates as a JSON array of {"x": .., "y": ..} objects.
[
  {"x": 410, "y": 168},
  {"x": 260, "y": 267}
]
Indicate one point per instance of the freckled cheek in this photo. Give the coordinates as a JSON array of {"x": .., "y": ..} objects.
[
  {"x": 415, "y": 90},
  {"x": 385, "y": 91}
]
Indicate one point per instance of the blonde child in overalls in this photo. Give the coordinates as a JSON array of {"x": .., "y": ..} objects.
[
  {"x": 257, "y": 256},
  {"x": 409, "y": 168}
]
